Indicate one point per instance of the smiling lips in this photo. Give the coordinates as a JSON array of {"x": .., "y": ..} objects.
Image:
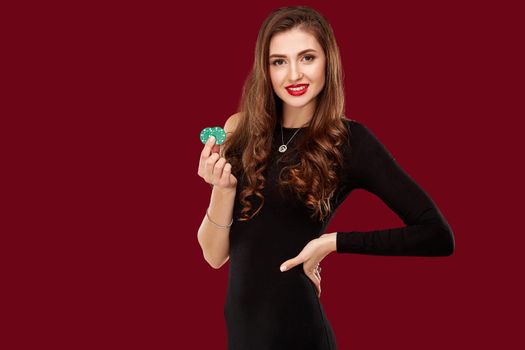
[{"x": 297, "y": 89}]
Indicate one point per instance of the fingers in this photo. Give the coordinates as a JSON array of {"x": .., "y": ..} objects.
[
  {"x": 291, "y": 263},
  {"x": 208, "y": 147},
  {"x": 316, "y": 279},
  {"x": 209, "y": 167},
  {"x": 204, "y": 161},
  {"x": 317, "y": 274},
  {"x": 217, "y": 170},
  {"x": 226, "y": 171}
]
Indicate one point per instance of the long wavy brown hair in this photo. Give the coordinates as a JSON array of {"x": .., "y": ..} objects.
[{"x": 314, "y": 177}]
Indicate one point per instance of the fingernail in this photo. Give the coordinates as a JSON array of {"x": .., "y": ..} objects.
[
  {"x": 283, "y": 268},
  {"x": 212, "y": 138}
]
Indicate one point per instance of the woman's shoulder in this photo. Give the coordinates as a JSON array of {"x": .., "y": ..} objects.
[
  {"x": 231, "y": 123},
  {"x": 356, "y": 129},
  {"x": 362, "y": 139},
  {"x": 365, "y": 141},
  {"x": 352, "y": 123}
]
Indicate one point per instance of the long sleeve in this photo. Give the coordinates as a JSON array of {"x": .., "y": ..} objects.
[{"x": 375, "y": 170}]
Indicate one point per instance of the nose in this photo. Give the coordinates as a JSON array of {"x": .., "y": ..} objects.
[{"x": 295, "y": 73}]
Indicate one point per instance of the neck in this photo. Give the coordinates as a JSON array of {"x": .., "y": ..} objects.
[{"x": 297, "y": 117}]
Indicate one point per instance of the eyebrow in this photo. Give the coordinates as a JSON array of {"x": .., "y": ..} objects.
[{"x": 300, "y": 53}]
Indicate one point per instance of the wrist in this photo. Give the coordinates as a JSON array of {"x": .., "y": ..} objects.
[
  {"x": 329, "y": 240},
  {"x": 224, "y": 191}
]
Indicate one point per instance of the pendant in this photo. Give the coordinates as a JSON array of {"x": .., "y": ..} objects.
[{"x": 283, "y": 148}]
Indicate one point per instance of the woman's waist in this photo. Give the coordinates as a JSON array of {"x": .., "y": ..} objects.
[
  {"x": 266, "y": 282},
  {"x": 293, "y": 293}
]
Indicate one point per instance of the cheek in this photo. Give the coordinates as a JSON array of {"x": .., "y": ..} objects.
[
  {"x": 320, "y": 71},
  {"x": 276, "y": 78},
  {"x": 322, "y": 78},
  {"x": 320, "y": 75}
]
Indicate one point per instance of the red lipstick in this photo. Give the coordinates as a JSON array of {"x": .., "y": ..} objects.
[{"x": 298, "y": 89}]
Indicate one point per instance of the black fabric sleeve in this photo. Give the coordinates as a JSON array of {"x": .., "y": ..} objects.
[{"x": 375, "y": 170}]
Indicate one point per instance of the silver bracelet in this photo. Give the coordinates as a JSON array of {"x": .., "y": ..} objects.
[{"x": 219, "y": 226}]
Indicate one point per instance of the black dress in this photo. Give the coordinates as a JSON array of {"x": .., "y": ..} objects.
[{"x": 266, "y": 309}]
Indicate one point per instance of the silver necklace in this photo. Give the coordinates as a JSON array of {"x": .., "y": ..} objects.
[{"x": 284, "y": 147}]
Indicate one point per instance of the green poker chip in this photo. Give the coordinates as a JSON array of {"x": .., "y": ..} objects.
[{"x": 217, "y": 132}]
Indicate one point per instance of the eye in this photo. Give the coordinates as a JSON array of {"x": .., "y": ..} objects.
[{"x": 311, "y": 58}]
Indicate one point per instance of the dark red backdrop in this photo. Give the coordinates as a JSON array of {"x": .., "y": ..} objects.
[{"x": 103, "y": 104}]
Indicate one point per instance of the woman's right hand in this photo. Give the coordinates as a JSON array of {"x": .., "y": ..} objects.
[{"x": 214, "y": 169}]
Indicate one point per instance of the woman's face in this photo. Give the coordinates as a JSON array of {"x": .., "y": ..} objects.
[{"x": 291, "y": 64}]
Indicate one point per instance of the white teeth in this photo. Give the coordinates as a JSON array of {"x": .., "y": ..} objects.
[{"x": 298, "y": 89}]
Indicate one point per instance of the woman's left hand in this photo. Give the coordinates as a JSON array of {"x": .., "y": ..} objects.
[{"x": 311, "y": 256}]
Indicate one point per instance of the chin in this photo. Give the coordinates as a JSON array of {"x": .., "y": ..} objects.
[
  {"x": 297, "y": 104},
  {"x": 299, "y": 101}
]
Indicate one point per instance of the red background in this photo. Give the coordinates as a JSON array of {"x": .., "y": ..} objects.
[{"x": 102, "y": 107}]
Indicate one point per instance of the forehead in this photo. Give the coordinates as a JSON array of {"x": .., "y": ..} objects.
[{"x": 293, "y": 41}]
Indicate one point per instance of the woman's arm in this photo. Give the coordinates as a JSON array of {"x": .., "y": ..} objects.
[
  {"x": 374, "y": 169},
  {"x": 214, "y": 240}
]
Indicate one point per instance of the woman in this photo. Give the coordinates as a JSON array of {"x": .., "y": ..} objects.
[{"x": 297, "y": 158}]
